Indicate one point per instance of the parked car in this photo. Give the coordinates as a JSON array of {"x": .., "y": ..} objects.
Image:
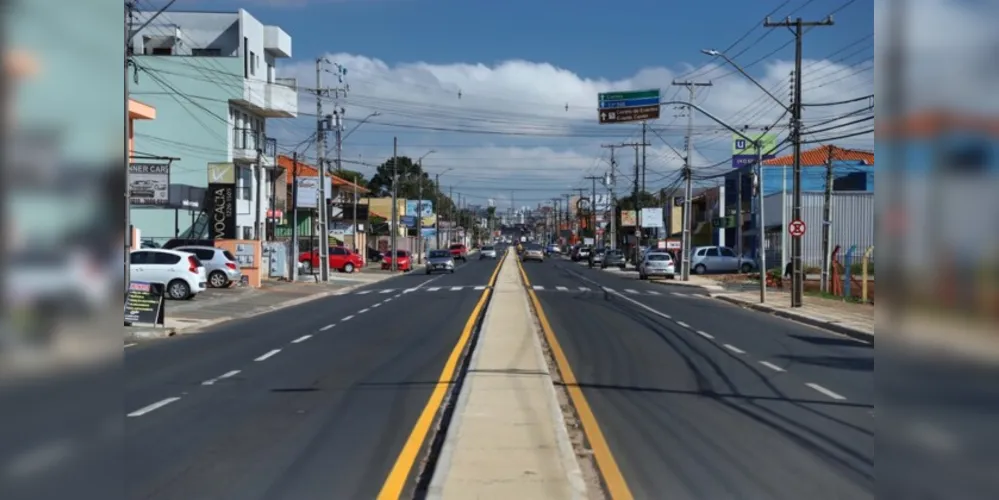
[
  {"x": 182, "y": 273},
  {"x": 657, "y": 264},
  {"x": 220, "y": 265},
  {"x": 374, "y": 255},
  {"x": 403, "y": 260},
  {"x": 487, "y": 252},
  {"x": 713, "y": 259},
  {"x": 459, "y": 252},
  {"x": 440, "y": 260},
  {"x": 342, "y": 259},
  {"x": 533, "y": 251},
  {"x": 613, "y": 258}
]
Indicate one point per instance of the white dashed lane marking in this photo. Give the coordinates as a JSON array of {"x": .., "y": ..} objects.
[
  {"x": 268, "y": 355},
  {"x": 327, "y": 327},
  {"x": 734, "y": 349},
  {"x": 347, "y": 318},
  {"x": 705, "y": 334},
  {"x": 153, "y": 407},
  {"x": 772, "y": 366},
  {"x": 825, "y": 391},
  {"x": 433, "y": 289},
  {"x": 362, "y": 311},
  {"x": 301, "y": 339}
]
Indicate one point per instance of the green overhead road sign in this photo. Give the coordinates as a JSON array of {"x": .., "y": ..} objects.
[{"x": 628, "y": 106}]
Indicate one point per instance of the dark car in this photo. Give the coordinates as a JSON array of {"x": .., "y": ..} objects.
[{"x": 613, "y": 258}]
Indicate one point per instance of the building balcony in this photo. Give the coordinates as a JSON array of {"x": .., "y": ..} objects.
[
  {"x": 271, "y": 100},
  {"x": 246, "y": 142},
  {"x": 277, "y": 42}
]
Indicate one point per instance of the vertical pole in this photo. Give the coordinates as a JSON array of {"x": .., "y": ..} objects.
[
  {"x": 638, "y": 210},
  {"x": 354, "y": 221},
  {"x": 419, "y": 217},
  {"x": 827, "y": 221},
  {"x": 644, "y": 143},
  {"x": 127, "y": 236},
  {"x": 593, "y": 212},
  {"x": 273, "y": 218},
  {"x": 613, "y": 202},
  {"x": 738, "y": 212},
  {"x": 259, "y": 194},
  {"x": 437, "y": 207},
  {"x": 393, "y": 225},
  {"x": 293, "y": 260},
  {"x": 761, "y": 226},
  {"x": 797, "y": 281},
  {"x": 324, "y": 270},
  {"x": 688, "y": 191}
]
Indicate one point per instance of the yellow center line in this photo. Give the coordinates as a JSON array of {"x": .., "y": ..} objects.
[
  {"x": 397, "y": 478},
  {"x": 617, "y": 487}
]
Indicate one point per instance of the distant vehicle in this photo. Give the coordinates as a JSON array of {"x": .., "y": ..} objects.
[
  {"x": 581, "y": 253},
  {"x": 459, "y": 252},
  {"x": 533, "y": 251},
  {"x": 342, "y": 259},
  {"x": 657, "y": 264},
  {"x": 487, "y": 252},
  {"x": 713, "y": 259},
  {"x": 403, "y": 260},
  {"x": 440, "y": 260},
  {"x": 220, "y": 265},
  {"x": 182, "y": 273},
  {"x": 613, "y": 258}
]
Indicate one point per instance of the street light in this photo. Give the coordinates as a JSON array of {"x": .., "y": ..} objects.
[
  {"x": 715, "y": 53},
  {"x": 420, "y": 246},
  {"x": 366, "y": 118}
]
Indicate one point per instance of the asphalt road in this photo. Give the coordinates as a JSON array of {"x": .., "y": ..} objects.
[
  {"x": 701, "y": 399},
  {"x": 283, "y": 405}
]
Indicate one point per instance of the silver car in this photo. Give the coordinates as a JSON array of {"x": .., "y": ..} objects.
[
  {"x": 487, "y": 252},
  {"x": 440, "y": 260},
  {"x": 657, "y": 264},
  {"x": 220, "y": 265}
]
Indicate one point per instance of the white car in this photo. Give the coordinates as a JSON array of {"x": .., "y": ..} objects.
[
  {"x": 657, "y": 264},
  {"x": 182, "y": 273}
]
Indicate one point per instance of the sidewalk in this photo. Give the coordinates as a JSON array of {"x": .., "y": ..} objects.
[
  {"x": 507, "y": 439},
  {"x": 215, "y": 306}
]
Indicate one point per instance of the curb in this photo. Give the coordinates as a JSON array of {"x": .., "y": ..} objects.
[
  {"x": 826, "y": 325},
  {"x": 148, "y": 333}
]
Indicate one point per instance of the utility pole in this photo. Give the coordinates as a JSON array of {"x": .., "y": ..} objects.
[
  {"x": 798, "y": 26},
  {"x": 127, "y": 236},
  {"x": 437, "y": 205},
  {"x": 394, "y": 225},
  {"x": 555, "y": 216},
  {"x": 610, "y": 189},
  {"x": 827, "y": 221},
  {"x": 644, "y": 144},
  {"x": 688, "y": 174},
  {"x": 259, "y": 195},
  {"x": 322, "y": 125},
  {"x": 452, "y": 215},
  {"x": 293, "y": 261},
  {"x": 593, "y": 206}
]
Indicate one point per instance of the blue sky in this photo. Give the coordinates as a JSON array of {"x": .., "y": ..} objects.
[{"x": 519, "y": 65}]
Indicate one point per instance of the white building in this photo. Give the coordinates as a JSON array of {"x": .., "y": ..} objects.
[{"x": 212, "y": 76}]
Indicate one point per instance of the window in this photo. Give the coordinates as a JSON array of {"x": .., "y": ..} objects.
[
  {"x": 206, "y": 52},
  {"x": 244, "y": 185},
  {"x": 162, "y": 51},
  {"x": 712, "y": 252},
  {"x": 247, "y": 232},
  {"x": 140, "y": 258},
  {"x": 700, "y": 252},
  {"x": 246, "y": 59},
  {"x": 253, "y": 64},
  {"x": 338, "y": 251},
  {"x": 727, "y": 252},
  {"x": 163, "y": 258}
]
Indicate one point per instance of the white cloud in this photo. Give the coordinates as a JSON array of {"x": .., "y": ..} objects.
[{"x": 539, "y": 121}]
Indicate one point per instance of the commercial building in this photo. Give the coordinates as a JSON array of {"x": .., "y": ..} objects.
[{"x": 212, "y": 76}]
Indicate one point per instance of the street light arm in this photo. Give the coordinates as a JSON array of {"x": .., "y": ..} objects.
[
  {"x": 715, "y": 53},
  {"x": 711, "y": 117},
  {"x": 366, "y": 118}
]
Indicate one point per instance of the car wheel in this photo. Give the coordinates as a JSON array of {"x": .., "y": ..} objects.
[
  {"x": 428, "y": 272},
  {"x": 452, "y": 271},
  {"x": 747, "y": 268},
  {"x": 700, "y": 269},
  {"x": 642, "y": 276},
  {"x": 348, "y": 268},
  {"x": 217, "y": 279},
  {"x": 178, "y": 290}
]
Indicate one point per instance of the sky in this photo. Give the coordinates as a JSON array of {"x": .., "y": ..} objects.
[{"x": 505, "y": 93}]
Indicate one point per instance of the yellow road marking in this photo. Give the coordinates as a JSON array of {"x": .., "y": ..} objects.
[
  {"x": 617, "y": 487},
  {"x": 396, "y": 481}
]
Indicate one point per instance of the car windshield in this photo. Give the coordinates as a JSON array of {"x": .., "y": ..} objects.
[
  {"x": 614, "y": 253},
  {"x": 401, "y": 253},
  {"x": 439, "y": 254},
  {"x": 659, "y": 257},
  {"x": 488, "y": 249},
  {"x": 533, "y": 246},
  {"x": 457, "y": 246}
]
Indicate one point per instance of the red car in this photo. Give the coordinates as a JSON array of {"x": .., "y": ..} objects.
[
  {"x": 403, "y": 259},
  {"x": 459, "y": 252},
  {"x": 342, "y": 259}
]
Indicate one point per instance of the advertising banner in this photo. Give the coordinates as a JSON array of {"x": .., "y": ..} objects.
[
  {"x": 222, "y": 211},
  {"x": 652, "y": 217},
  {"x": 144, "y": 303},
  {"x": 744, "y": 152},
  {"x": 409, "y": 221},
  {"x": 425, "y": 209},
  {"x": 307, "y": 191},
  {"x": 628, "y": 218},
  {"x": 149, "y": 184}
]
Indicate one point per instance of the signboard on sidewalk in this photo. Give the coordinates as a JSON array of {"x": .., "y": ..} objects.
[
  {"x": 307, "y": 191},
  {"x": 144, "y": 303},
  {"x": 149, "y": 184}
]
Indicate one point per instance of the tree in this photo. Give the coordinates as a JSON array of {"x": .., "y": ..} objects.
[
  {"x": 647, "y": 199},
  {"x": 412, "y": 181},
  {"x": 353, "y": 176}
]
